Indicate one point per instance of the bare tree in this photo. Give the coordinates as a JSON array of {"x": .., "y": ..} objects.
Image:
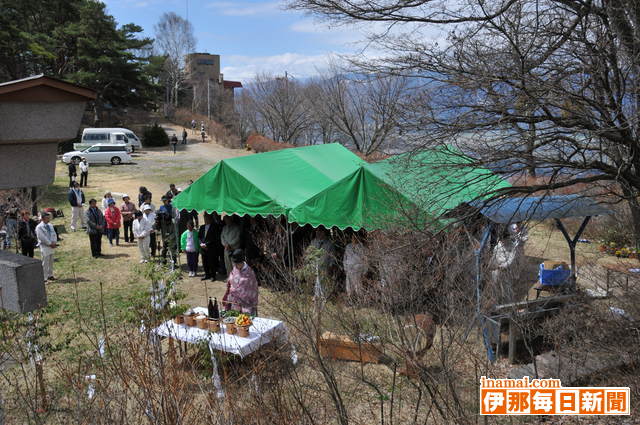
[
  {"x": 565, "y": 73},
  {"x": 364, "y": 108},
  {"x": 361, "y": 111},
  {"x": 279, "y": 107},
  {"x": 174, "y": 39}
]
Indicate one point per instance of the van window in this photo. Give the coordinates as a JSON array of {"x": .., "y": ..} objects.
[
  {"x": 121, "y": 137},
  {"x": 93, "y": 149},
  {"x": 131, "y": 136},
  {"x": 96, "y": 137}
]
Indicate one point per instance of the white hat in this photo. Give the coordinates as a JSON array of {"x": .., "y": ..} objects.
[
  {"x": 146, "y": 207},
  {"x": 124, "y": 195}
]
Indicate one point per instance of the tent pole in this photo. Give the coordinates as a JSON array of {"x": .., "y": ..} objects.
[
  {"x": 478, "y": 278},
  {"x": 289, "y": 245}
]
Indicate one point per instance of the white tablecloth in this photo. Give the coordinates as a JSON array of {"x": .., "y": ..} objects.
[{"x": 261, "y": 332}]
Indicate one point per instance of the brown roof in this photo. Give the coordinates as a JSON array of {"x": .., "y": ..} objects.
[
  {"x": 232, "y": 84},
  {"x": 10, "y": 89}
]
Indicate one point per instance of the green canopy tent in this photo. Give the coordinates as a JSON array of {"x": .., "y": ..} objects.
[
  {"x": 269, "y": 183},
  {"x": 329, "y": 185},
  {"x": 409, "y": 188},
  {"x": 360, "y": 200},
  {"x": 438, "y": 180}
]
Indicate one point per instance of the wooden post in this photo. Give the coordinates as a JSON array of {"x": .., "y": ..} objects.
[
  {"x": 40, "y": 384},
  {"x": 513, "y": 336},
  {"x": 172, "y": 351},
  {"x": 499, "y": 342}
]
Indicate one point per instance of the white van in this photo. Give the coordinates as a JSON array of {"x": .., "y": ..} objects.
[{"x": 91, "y": 136}]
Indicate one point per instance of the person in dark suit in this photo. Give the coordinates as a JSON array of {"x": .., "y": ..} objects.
[
  {"x": 209, "y": 237},
  {"x": 27, "y": 233},
  {"x": 72, "y": 172}
]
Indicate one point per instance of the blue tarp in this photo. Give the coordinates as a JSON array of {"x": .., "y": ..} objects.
[{"x": 515, "y": 210}]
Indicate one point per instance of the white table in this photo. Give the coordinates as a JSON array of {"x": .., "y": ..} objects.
[{"x": 261, "y": 332}]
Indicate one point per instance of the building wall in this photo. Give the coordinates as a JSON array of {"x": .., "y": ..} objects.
[{"x": 200, "y": 66}]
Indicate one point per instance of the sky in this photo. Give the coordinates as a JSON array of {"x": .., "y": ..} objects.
[{"x": 251, "y": 36}]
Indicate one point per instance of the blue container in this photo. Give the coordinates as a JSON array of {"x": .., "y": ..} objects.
[{"x": 555, "y": 277}]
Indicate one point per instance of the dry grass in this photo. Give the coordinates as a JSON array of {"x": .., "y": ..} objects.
[{"x": 123, "y": 289}]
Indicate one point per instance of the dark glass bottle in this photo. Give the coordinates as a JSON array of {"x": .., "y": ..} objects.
[
  {"x": 216, "y": 310},
  {"x": 210, "y": 310}
]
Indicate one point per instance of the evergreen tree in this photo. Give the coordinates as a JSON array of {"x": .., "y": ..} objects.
[{"x": 78, "y": 41}]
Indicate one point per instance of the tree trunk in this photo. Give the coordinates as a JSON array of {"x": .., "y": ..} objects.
[
  {"x": 531, "y": 143},
  {"x": 97, "y": 112},
  {"x": 634, "y": 207}
]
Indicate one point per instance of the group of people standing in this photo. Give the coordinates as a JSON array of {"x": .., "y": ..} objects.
[{"x": 83, "y": 165}]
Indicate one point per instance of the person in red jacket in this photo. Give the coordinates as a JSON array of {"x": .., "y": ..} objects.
[{"x": 114, "y": 220}]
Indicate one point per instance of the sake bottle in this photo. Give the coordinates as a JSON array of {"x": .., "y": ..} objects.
[
  {"x": 216, "y": 310},
  {"x": 211, "y": 311}
]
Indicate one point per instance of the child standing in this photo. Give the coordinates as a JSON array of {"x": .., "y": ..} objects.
[{"x": 190, "y": 244}]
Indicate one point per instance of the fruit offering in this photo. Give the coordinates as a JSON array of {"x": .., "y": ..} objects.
[{"x": 243, "y": 320}]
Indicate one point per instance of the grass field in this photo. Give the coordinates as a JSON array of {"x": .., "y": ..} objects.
[{"x": 79, "y": 276}]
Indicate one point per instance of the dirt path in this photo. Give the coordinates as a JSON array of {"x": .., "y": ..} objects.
[{"x": 155, "y": 168}]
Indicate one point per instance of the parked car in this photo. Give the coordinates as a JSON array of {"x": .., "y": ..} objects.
[
  {"x": 91, "y": 136},
  {"x": 102, "y": 153}
]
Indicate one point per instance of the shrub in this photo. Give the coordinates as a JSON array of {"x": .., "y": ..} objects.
[
  {"x": 67, "y": 146},
  {"x": 259, "y": 143},
  {"x": 154, "y": 136},
  {"x": 614, "y": 228}
]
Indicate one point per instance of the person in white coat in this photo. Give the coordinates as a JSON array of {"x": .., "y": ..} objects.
[
  {"x": 355, "y": 265},
  {"x": 142, "y": 229},
  {"x": 48, "y": 241},
  {"x": 149, "y": 215}
]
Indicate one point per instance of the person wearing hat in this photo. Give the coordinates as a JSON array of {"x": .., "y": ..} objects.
[
  {"x": 95, "y": 227},
  {"x": 48, "y": 242},
  {"x": 127, "y": 209},
  {"x": 84, "y": 172},
  {"x": 114, "y": 218},
  {"x": 105, "y": 201},
  {"x": 142, "y": 229},
  {"x": 242, "y": 286}
]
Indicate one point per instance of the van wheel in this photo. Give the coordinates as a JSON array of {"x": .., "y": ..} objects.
[
  {"x": 76, "y": 158},
  {"x": 133, "y": 149},
  {"x": 116, "y": 160}
]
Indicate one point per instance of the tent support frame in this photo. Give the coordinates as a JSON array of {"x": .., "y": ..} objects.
[{"x": 572, "y": 242}]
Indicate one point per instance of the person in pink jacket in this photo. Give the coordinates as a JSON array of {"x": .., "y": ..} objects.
[
  {"x": 242, "y": 286},
  {"x": 113, "y": 217}
]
